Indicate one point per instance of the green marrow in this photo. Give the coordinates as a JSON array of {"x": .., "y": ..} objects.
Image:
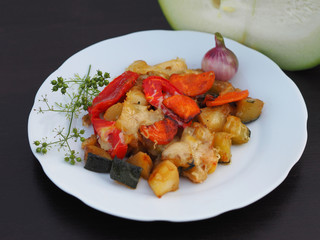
[
  {"x": 98, "y": 164},
  {"x": 125, "y": 172},
  {"x": 288, "y": 32}
]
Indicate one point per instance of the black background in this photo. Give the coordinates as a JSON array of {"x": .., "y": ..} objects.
[{"x": 36, "y": 37}]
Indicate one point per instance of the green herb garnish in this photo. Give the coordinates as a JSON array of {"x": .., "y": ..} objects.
[{"x": 80, "y": 92}]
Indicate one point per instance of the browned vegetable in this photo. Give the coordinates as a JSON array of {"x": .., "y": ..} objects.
[
  {"x": 164, "y": 178},
  {"x": 240, "y": 132},
  {"x": 221, "y": 87},
  {"x": 214, "y": 118},
  {"x": 96, "y": 151},
  {"x": 142, "y": 160},
  {"x": 249, "y": 109},
  {"x": 222, "y": 142},
  {"x": 92, "y": 140}
]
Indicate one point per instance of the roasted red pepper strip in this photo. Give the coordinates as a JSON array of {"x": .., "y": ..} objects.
[
  {"x": 193, "y": 84},
  {"x": 156, "y": 89},
  {"x": 110, "y": 135},
  {"x": 112, "y": 93},
  {"x": 161, "y": 132},
  {"x": 185, "y": 107},
  {"x": 228, "y": 97},
  {"x": 155, "y": 86}
]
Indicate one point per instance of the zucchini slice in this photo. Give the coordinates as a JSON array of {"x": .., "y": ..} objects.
[
  {"x": 125, "y": 172},
  {"x": 98, "y": 164}
]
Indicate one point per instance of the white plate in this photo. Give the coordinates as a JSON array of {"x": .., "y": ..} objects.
[{"x": 278, "y": 137}]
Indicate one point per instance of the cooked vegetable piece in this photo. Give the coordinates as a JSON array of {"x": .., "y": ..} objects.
[
  {"x": 208, "y": 97},
  {"x": 221, "y": 87},
  {"x": 184, "y": 106},
  {"x": 86, "y": 120},
  {"x": 240, "y": 132},
  {"x": 154, "y": 150},
  {"x": 156, "y": 88},
  {"x": 222, "y": 142},
  {"x": 228, "y": 98},
  {"x": 125, "y": 173},
  {"x": 98, "y": 164},
  {"x": 161, "y": 132},
  {"x": 110, "y": 137},
  {"x": 179, "y": 153},
  {"x": 193, "y": 84},
  {"x": 204, "y": 156},
  {"x": 112, "y": 93},
  {"x": 200, "y": 132},
  {"x": 136, "y": 96},
  {"x": 249, "y": 109},
  {"x": 135, "y": 115},
  {"x": 113, "y": 112},
  {"x": 164, "y": 178},
  {"x": 95, "y": 150},
  {"x": 92, "y": 140},
  {"x": 196, "y": 174},
  {"x": 214, "y": 118},
  {"x": 164, "y": 69},
  {"x": 142, "y": 160},
  {"x": 213, "y": 168}
]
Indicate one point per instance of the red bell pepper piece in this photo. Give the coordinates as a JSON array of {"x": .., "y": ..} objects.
[
  {"x": 155, "y": 86},
  {"x": 161, "y": 132},
  {"x": 193, "y": 84},
  {"x": 156, "y": 89},
  {"x": 112, "y": 93},
  {"x": 109, "y": 134}
]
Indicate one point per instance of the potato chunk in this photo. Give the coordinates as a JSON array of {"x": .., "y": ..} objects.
[
  {"x": 196, "y": 174},
  {"x": 142, "y": 160},
  {"x": 249, "y": 109},
  {"x": 204, "y": 155},
  {"x": 164, "y": 178},
  {"x": 222, "y": 142},
  {"x": 92, "y": 140},
  {"x": 221, "y": 87},
  {"x": 164, "y": 69},
  {"x": 214, "y": 118},
  {"x": 179, "y": 153},
  {"x": 240, "y": 132}
]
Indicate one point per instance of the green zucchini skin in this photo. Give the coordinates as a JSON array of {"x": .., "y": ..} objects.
[
  {"x": 98, "y": 164},
  {"x": 125, "y": 173}
]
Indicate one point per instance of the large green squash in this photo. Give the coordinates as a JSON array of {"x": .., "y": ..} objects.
[{"x": 287, "y": 31}]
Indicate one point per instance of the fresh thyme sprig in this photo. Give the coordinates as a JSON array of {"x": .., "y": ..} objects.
[{"x": 80, "y": 93}]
